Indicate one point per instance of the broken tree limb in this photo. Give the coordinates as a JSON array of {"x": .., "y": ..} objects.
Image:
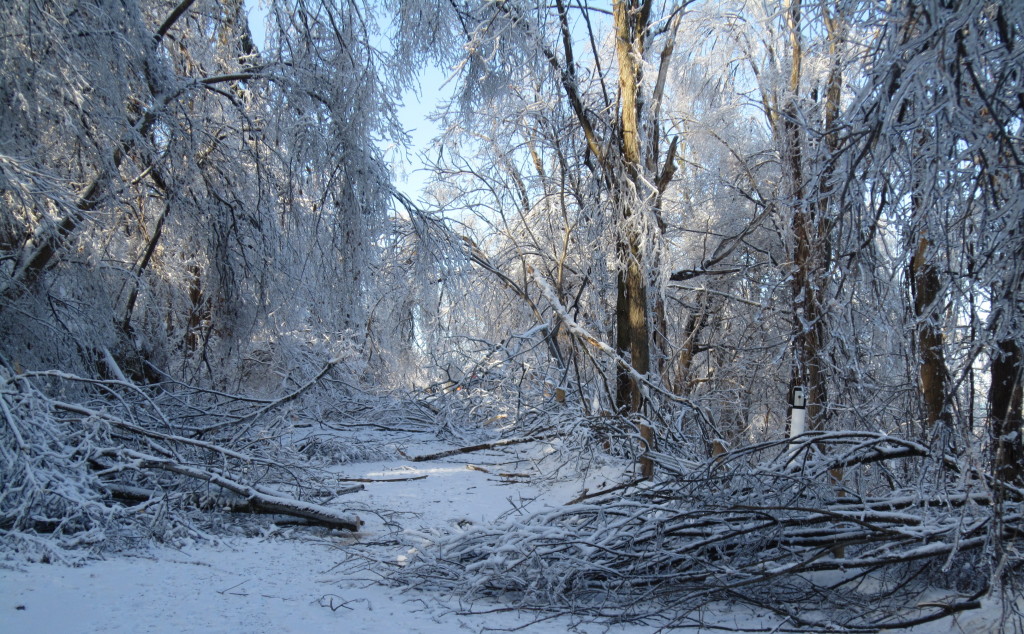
[
  {"x": 132, "y": 495},
  {"x": 586, "y": 495},
  {"x": 326, "y": 493},
  {"x": 503, "y": 476},
  {"x": 419, "y": 477},
  {"x": 259, "y": 501},
  {"x": 480, "y": 447}
]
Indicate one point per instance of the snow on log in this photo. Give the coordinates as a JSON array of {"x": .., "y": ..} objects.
[{"x": 259, "y": 500}]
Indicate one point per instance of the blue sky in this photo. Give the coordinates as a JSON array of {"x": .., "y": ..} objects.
[{"x": 414, "y": 115}]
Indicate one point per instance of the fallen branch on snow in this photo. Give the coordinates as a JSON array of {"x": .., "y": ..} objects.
[
  {"x": 480, "y": 447},
  {"x": 409, "y": 479}
]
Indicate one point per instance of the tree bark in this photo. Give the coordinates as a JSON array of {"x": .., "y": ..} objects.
[
  {"x": 934, "y": 375},
  {"x": 631, "y": 297},
  {"x": 1005, "y": 400}
]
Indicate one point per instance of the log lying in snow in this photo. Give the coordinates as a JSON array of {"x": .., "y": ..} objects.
[
  {"x": 480, "y": 447},
  {"x": 409, "y": 479},
  {"x": 234, "y": 503},
  {"x": 259, "y": 501}
]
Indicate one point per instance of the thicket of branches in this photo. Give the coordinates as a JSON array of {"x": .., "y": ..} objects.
[
  {"x": 189, "y": 230},
  {"x": 110, "y": 464}
]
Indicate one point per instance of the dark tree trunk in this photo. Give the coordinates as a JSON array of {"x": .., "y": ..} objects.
[
  {"x": 1005, "y": 401},
  {"x": 934, "y": 375}
]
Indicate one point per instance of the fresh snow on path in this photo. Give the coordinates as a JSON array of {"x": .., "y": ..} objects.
[
  {"x": 254, "y": 586},
  {"x": 326, "y": 583},
  {"x": 273, "y": 584}
]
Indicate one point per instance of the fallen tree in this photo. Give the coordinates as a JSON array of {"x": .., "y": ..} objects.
[{"x": 905, "y": 536}]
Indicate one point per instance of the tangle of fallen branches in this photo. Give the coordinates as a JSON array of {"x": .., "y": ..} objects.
[
  {"x": 874, "y": 531},
  {"x": 91, "y": 464}
]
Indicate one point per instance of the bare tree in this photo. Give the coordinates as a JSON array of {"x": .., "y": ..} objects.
[{"x": 614, "y": 109}]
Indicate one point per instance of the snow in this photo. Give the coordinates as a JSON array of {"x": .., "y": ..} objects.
[
  {"x": 249, "y": 585},
  {"x": 291, "y": 579}
]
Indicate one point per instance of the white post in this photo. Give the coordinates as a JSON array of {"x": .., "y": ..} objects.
[{"x": 799, "y": 417}]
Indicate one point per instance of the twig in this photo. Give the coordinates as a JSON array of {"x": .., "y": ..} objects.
[
  {"x": 336, "y": 492},
  {"x": 225, "y": 590}
]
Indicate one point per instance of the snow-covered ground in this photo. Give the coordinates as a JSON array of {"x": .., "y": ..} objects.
[
  {"x": 290, "y": 580},
  {"x": 249, "y": 585},
  {"x": 294, "y": 580}
]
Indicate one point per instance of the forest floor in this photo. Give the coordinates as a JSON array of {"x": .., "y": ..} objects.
[{"x": 296, "y": 579}]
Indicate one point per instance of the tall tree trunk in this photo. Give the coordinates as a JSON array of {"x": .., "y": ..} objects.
[
  {"x": 631, "y": 297},
  {"x": 809, "y": 259}
]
